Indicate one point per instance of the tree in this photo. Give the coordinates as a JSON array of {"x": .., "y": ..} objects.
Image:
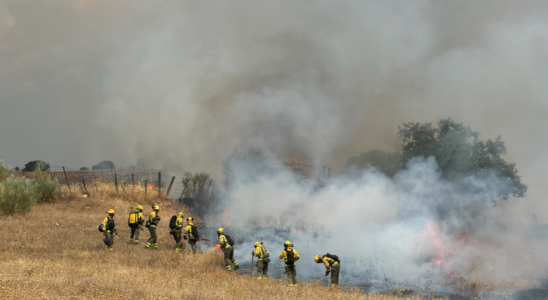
[
  {"x": 84, "y": 168},
  {"x": 105, "y": 164},
  {"x": 36, "y": 165},
  {"x": 202, "y": 189},
  {"x": 459, "y": 152},
  {"x": 387, "y": 162}
]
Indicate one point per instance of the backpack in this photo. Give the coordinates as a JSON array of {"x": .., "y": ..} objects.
[
  {"x": 229, "y": 240},
  {"x": 133, "y": 220},
  {"x": 289, "y": 258},
  {"x": 265, "y": 251},
  {"x": 173, "y": 222},
  {"x": 193, "y": 235},
  {"x": 110, "y": 224},
  {"x": 100, "y": 228},
  {"x": 333, "y": 257}
]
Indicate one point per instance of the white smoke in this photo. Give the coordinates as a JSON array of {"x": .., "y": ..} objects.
[{"x": 414, "y": 225}]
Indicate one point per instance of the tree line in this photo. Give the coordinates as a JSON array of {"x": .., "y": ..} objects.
[{"x": 457, "y": 148}]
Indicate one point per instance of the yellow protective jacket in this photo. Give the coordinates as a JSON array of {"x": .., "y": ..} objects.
[
  {"x": 188, "y": 229},
  {"x": 328, "y": 262},
  {"x": 154, "y": 219},
  {"x": 259, "y": 252},
  {"x": 141, "y": 218},
  {"x": 284, "y": 254},
  {"x": 178, "y": 224},
  {"x": 223, "y": 242},
  {"x": 105, "y": 223}
]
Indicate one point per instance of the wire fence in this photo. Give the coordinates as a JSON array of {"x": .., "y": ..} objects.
[{"x": 151, "y": 180}]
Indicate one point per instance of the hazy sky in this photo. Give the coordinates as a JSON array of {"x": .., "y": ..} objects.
[{"x": 182, "y": 83}]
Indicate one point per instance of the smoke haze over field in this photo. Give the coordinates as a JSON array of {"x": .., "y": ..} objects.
[
  {"x": 182, "y": 84},
  {"x": 414, "y": 225}
]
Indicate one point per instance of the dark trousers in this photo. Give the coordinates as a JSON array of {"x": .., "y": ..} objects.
[
  {"x": 178, "y": 242},
  {"x": 291, "y": 273},
  {"x": 229, "y": 257},
  {"x": 335, "y": 274},
  {"x": 135, "y": 233},
  {"x": 153, "y": 240},
  {"x": 262, "y": 269},
  {"x": 110, "y": 236},
  {"x": 193, "y": 246}
]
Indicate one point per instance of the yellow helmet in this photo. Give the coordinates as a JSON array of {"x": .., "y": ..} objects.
[
  {"x": 220, "y": 230},
  {"x": 181, "y": 214},
  {"x": 257, "y": 244},
  {"x": 288, "y": 244},
  {"x": 318, "y": 258},
  {"x": 110, "y": 211},
  {"x": 139, "y": 207},
  {"x": 189, "y": 219},
  {"x": 156, "y": 207}
]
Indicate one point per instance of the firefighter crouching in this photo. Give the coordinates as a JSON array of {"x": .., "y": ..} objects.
[
  {"x": 264, "y": 258},
  {"x": 332, "y": 264},
  {"x": 108, "y": 228},
  {"x": 136, "y": 219},
  {"x": 291, "y": 256},
  {"x": 228, "y": 249}
]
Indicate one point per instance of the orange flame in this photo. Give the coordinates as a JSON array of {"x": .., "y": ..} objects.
[
  {"x": 442, "y": 249},
  {"x": 217, "y": 247}
]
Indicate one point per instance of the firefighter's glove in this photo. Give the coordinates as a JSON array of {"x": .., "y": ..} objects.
[{"x": 326, "y": 273}]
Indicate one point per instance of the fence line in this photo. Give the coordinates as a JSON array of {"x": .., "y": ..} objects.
[{"x": 151, "y": 180}]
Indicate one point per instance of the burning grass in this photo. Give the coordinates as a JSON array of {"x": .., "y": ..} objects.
[{"x": 56, "y": 252}]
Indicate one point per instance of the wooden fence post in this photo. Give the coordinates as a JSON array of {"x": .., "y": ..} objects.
[
  {"x": 66, "y": 180},
  {"x": 170, "y": 184},
  {"x": 116, "y": 182},
  {"x": 85, "y": 189},
  {"x": 159, "y": 183}
]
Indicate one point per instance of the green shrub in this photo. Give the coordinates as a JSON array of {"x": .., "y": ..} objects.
[
  {"x": 44, "y": 187},
  {"x": 5, "y": 171},
  {"x": 17, "y": 194}
]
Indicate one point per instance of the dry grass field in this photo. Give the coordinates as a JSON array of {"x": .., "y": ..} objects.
[{"x": 42, "y": 260}]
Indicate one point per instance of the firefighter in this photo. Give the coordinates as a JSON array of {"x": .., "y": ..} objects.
[
  {"x": 332, "y": 264},
  {"x": 177, "y": 232},
  {"x": 109, "y": 227},
  {"x": 262, "y": 264},
  {"x": 291, "y": 256},
  {"x": 153, "y": 218},
  {"x": 227, "y": 249},
  {"x": 136, "y": 219},
  {"x": 191, "y": 235}
]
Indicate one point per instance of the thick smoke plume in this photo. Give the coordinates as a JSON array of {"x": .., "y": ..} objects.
[
  {"x": 407, "y": 227},
  {"x": 181, "y": 84}
]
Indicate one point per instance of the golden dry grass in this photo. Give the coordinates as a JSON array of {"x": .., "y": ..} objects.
[{"x": 43, "y": 260}]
